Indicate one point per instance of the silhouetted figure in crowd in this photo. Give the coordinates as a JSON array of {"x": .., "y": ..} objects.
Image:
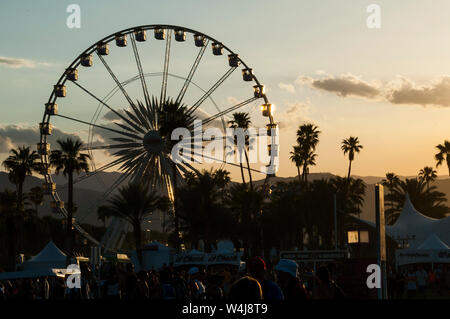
[
  {"x": 247, "y": 289},
  {"x": 326, "y": 288},
  {"x": 256, "y": 268},
  {"x": 287, "y": 274}
]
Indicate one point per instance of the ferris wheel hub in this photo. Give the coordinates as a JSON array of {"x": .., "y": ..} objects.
[{"x": 153, "y": 141}]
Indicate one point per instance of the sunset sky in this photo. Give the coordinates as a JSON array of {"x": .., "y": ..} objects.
[{"x": 318, "y": 59}]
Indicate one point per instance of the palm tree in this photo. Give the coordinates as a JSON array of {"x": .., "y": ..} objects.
[
  {"x": 36, "y": 196},
  {"x": 351, "y": 146},
  {"x": 134, "y": 203},
  {"x": 428, "y": 201},
  {"x": 246, "y": 206},
  {"x": 444, "y": 153},
  {"x": 296, "y": 158},
  {"x": 202, "y": 211},
  {"x": 307, "y": 140},
  {"x": 69, "y": 160},
  {"x": 391, "y": 181},
  {"x": 242, "y": 120},
  {"x": 8, "y": 212},
  {"x": 20, "y": 163},
  {"x": 427, "y": 175}
]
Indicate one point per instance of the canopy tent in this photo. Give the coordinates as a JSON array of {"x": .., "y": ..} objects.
[
  {"x": 50, "y": 257},
  {"x": 33, "y": 274},
  {"x": 431, "y": 250},
  {"x": 413, "y": 223},
  {"x": 154, "y": 256}
]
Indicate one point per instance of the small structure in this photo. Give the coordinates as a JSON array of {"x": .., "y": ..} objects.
[
  {"x": 217, "y": 48},
  {"x": 433, "y": 250},
  {"x": 50, "y": 257},
  {"x": 154, "y": 256},
  {"x": 200, "y": 40},
  {"x": 180, "y": 35}
]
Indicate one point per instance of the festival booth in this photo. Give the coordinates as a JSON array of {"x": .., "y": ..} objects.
[
  {"x": 154, "y": 256},
  {"x": 413, "y": 223},
  {"x": 50, "y": 257},
  {"x": 432, "y": 251},
  {"x": 192, "y": 258},
  {"x": 51, "y": 262},
  {"x": 415, "y": 228}
]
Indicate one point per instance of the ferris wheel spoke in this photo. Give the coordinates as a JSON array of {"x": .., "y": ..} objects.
[
  {"x": 230, "y": 109},
  {"x": 211, "y": 90},
  {"x": 100, "y": 126},
  {"x": 225, "y": 162},
  {"x": 130, "y": 101},
  {"x": 191, "y": 73},
  {"x": 140, "y": 70},
  {"x": 166, "y": 67},
  {"x": 113, "y": 146},
  {"x": 136, "y": 127}
]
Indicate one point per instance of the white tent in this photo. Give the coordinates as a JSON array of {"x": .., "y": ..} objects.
[
  {"x": 50, "y": 257},
  {"x": 431, "y": 250},
  {"x": 411, "y": 222},
  {"x": 154, "y": 255}
]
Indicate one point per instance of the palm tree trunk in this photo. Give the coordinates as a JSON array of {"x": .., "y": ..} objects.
[
  {"x": 242, "y": 168},
  {"x": 69, "y": 221},
  {"x": 20, "y": 195},
  {"x": 448, "y": 163},
  {"x": 175, "y": 208},
  {"x": 349, "y": 169},
  {"x": 11, "y": 234},
  {"x": 299, "y": 176},
  {"x": 248, "y": 168},
  {"x": 138, "y": 240},
  {"x": 305, "y": 173}
]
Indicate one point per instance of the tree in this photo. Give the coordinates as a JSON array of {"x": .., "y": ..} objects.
[
  {"x": 203, "y": 215},
  {"x": 246, "y": 205},
  {"x": 20, "y": 163},
  {"x": 134, "y": 203},
  {"x": 297, "y": 159},
  {"x": 69, "y": 160},
  {"x": 427, "y": 175},
  {"x": 443, "y": 154},
  {"x": 428, "y": 201},
  {"x": 351, "y": 146},
  {"x": 242, "y": 120},
  {"x": 36, "y": 196},
  {"x": 9, "y": 213},
  {"x": 391, "y": 182},
  {"x": 307, "y": 140}
]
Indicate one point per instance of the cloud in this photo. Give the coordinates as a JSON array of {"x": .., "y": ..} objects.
[
  {"x": 17, "y": 135},
  {"x": 296, "y": 112},
  {"x": 17, "y": 63},
  {"x": 406, "y": 92},
  {"x": 287, "y": 87},
  {"x": 345, "y": 85}
]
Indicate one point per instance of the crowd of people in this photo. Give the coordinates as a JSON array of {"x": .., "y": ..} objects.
[
  {"x": 416, "y": 281},
  {"x": 260, "y": 281}
]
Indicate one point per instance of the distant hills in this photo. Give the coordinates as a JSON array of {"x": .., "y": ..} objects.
[{"x": 88, "y": 194}]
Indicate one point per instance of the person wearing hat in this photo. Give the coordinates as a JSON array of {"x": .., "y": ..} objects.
[
  {"x": 197, "y": 288},
  {"x": 256, "y": 267},
  {"x": 287, "y": 273}
]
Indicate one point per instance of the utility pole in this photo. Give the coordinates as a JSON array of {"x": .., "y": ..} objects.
[
  {"x": 381, "y": 239},
  {"x": 335, "y": 222}
]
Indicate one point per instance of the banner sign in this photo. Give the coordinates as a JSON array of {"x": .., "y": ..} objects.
[
  {"x": 207, "y": 259},
  {"x": 314, "y": 255},
  {"x": 417, "y": 256}
]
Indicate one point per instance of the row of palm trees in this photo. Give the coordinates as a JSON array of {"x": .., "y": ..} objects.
[
  {"x": 22, "y": 162},
  {"x": 425, "y": 198}
]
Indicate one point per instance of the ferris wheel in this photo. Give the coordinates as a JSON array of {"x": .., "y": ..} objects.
[{"x": 125, "y": 94}]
